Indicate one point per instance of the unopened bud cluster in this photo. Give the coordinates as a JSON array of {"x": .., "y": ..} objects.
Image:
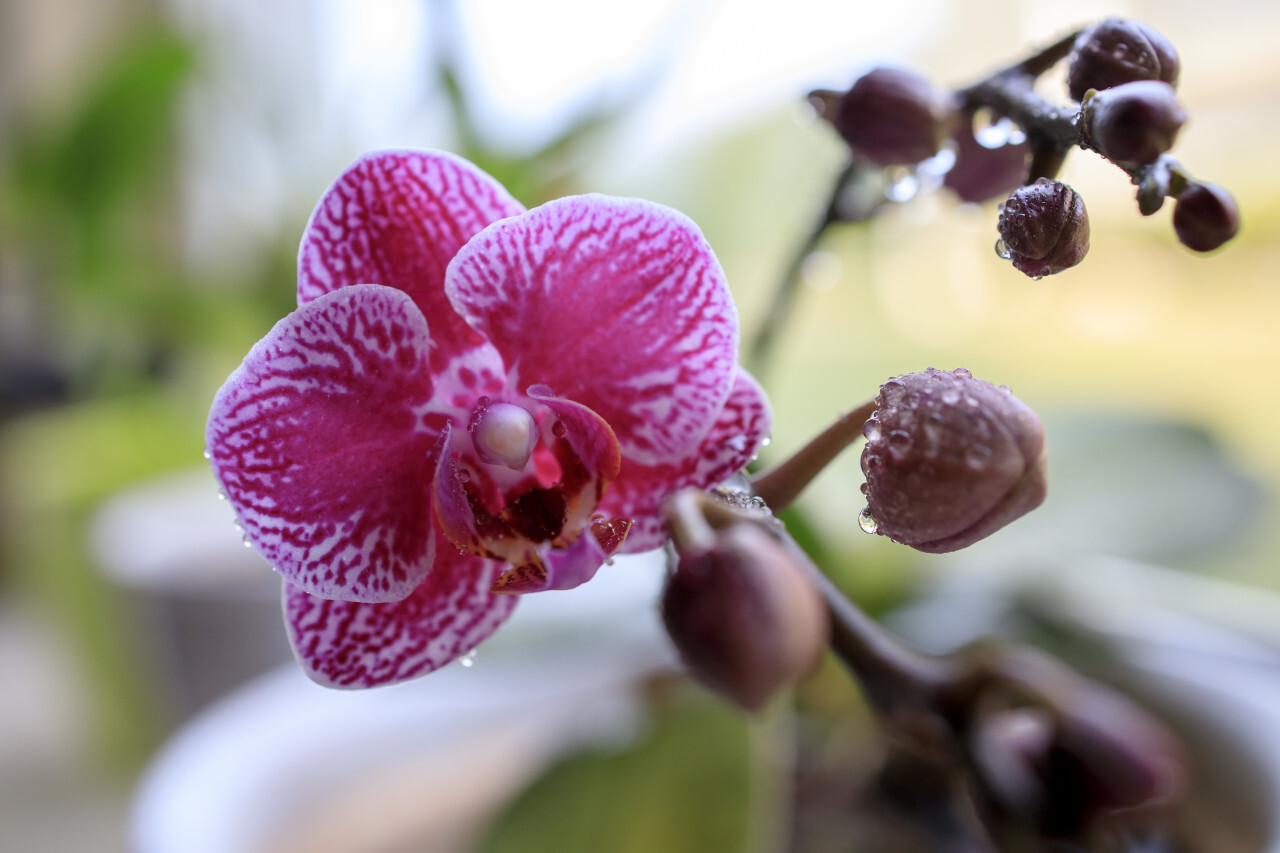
[
  {"x": 949, "y": 460},
  {"x": 1122, "y": 74}
]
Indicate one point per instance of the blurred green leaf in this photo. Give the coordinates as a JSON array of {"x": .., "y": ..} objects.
[{"x": 684, "y": 789}]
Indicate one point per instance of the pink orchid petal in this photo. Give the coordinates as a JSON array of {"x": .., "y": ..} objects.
[
  {"x": 738, "y": 434},
  {"x": 320, "y": 442},
  {"x": 396, "y": 218},
  {"x": 454, "y": 512},
  {"x": 617, "y": 304},
  {"x": 350, "y": 645}
]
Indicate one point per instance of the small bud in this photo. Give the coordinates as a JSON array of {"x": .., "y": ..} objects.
[
  {"x": 1044, "y": 228},
  {"x": 1117, "y": 51},
  {"x": 1135, "y": 122},
  {"x": 1097, "y": 758},
  {"x": 892, "y": 117},
  {"x": 1205, "y": 217},
  {"x": 743, "y": 615},
  {"x": 982, "y": 173},
  {"x": 950, "y": 460}
]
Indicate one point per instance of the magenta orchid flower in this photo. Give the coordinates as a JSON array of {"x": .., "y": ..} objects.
[{"x": 473, "y": 400}]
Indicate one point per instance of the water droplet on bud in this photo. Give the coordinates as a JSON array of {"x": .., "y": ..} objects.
[
  {"x": 903, "y": 184},
  {"x": 867, "y": 521},
  {"x": 1002, "y": 249},
  {"x": 976, "y": 457}
]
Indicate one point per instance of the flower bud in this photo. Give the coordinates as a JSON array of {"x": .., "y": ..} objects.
[
  {"x": 1044, "y": 228},
  {"x": 949, "y": 460},
  {"x": 981, "y": 173},
  {"x": 891, "y": 117},
  {"x": 743, "y": 614},
  {"x": 1135, "y": 122},
  {"x": 1097, "y": 757},
  {"x": 1117, "y": 51},
  {"x": 1205, "y": 217}
]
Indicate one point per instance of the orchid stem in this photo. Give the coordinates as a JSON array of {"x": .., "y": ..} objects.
[{"x": 783, "y": 483}]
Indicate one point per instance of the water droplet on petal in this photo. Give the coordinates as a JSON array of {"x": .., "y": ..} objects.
[
  {"x": 468, "y": 660},
  {"x": 464, "y": 476},
  {"x": 207, "y": 453},
  {"x": 245, "y": 542},
  {"x": 238, "y": 526},
  {"x": 867, "y": 521},
  {"x": 766, "y": 441},
  {"x": 1002, "y": 249},
  {"x": 222, "y": 496},
  {"x": 559, "y": 429}
]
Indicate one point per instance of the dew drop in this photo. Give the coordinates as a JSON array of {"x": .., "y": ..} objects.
[
  {"x": 766, "y": 441},
  {"x": 238, "y": 526},
  {"x": 1002, "y": 249},
  {"x": 464, "y": 476},
  {"x": 977, "y": 456},
  {"x": 867, "y": 521},
  {"x": 468, "y": 660},
  {"x": 900, "y": 444},
  {"x": 871, "y": 429},
  {"x": 1036, "y": 277},
  {"x": 758, "y": 502},
  {"x": 222, "y": 496},
  {"x": 963, "y": 373},
  {"x": 559, "y": 429},
  {"x": 245, "y": 542},
  {"x": 951, "y": 396},
  {"x": 1000, "y": 207},
  {"x": 208, "y": 454},
  {"x": 893, "y": 391},
  {"x": 903, "y": 184}
]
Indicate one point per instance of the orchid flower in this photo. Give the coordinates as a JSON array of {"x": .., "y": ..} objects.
[{"x": 473, "y": 401}]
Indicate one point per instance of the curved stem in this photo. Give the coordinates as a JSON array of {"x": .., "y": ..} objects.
[{"x": 783, "y": 483}]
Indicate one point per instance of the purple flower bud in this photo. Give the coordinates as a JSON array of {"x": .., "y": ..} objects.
[
  {"x": 1135, "y": 122},
  {"x": 1117, "y": 51},
  {"x": 892, "y": 117},
  {"x": 743, "y": 615},
  {"x": 982, "y": 173},
  {"x": 1096, "y": 757},
  {"x": 949, "y": 460},
  {"x": 1205, "y": 217},
  {"x": 1044, "y": 228}
]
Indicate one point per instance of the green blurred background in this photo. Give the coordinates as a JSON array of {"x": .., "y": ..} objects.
[{"x": 158, "y": 161}]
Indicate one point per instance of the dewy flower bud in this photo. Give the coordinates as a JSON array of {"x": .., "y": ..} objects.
[
  {"x": 1205, "y": 217},
  {"x": 892, "y": 117},
  {"x": 1044, "y": 228},
  {"x": 1117, "y": 51},
  {"x": 743, "y": 615},
  {"x": 949, "y": 460},
  {"x": 1135, "y": 122}
]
